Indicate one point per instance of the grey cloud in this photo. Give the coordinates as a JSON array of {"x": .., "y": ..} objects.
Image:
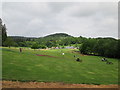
[
  {"x": 57, "y": 7},
  {"x": 39, "y": 19}
]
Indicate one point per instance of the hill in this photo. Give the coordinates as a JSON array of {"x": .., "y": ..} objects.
[
  {"x": 59, "y": 35},
  {"x": 55, "y": 36}
]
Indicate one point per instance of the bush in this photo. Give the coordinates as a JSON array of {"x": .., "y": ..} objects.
[
  {"x": 42, "y": 46},
  {"x": 35, "y": 46}
]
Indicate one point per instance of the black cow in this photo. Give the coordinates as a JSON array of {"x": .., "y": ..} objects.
[
  {"x": 109, "y": 62},
  {"x": 78, "y": 60}
]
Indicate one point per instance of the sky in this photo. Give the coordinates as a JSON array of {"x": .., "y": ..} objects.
[{"x": 38, "y": 19}]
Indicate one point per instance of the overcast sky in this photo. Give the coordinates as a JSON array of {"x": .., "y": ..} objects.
[{"x": 34, "y": 19}]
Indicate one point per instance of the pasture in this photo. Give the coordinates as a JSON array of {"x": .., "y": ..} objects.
[{"x": 52, "y": 66}]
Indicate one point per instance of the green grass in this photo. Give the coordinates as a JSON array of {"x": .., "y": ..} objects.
[{"x": 26, "y": 66}]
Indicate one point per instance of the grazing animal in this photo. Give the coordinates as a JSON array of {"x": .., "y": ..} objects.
[
  {"x": 103, "y": 59},
  {"x": 109, "y": 62},
  {"x": 78, "y": 60}
]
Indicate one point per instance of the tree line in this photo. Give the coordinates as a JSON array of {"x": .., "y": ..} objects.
[{"x": 108, "y": 47}]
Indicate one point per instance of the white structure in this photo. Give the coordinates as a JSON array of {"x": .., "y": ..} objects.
[{"x": 63, "y": 54}]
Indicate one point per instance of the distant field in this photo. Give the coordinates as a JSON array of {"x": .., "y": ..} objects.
[{"x": 27, "y": 66}]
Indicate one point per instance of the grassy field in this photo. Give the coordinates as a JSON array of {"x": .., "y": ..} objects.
[{"x": 27, "y": 66}]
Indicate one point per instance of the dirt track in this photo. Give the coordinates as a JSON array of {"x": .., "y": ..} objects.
[{"x": 16, "y": 84}]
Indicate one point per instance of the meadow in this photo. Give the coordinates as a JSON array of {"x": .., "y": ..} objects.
[{"x": 30, "y": 66}]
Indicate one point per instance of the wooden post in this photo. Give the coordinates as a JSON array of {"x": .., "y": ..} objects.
[{"x": 20, "y": 49}]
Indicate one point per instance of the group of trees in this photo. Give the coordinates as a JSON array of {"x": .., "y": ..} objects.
[
  {"x": 55, "y": 40},
  {"x": 5, "y": 40},
  {"x": 3, "y": 34},
  {"x": 107, "y": 47}
]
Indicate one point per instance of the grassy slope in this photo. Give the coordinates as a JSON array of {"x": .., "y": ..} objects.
[{"x": 27, "y": 66}]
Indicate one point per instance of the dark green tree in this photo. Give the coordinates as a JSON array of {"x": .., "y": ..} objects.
[
  {"x": 0, "y": 32},
  {"x": 35, "y": 46},
  {"x": 3, "y": 33},
  {"x": 42, "y": 46},
  {"x": 9, "y": 42},
  {"x": 49, "y": 44}
]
